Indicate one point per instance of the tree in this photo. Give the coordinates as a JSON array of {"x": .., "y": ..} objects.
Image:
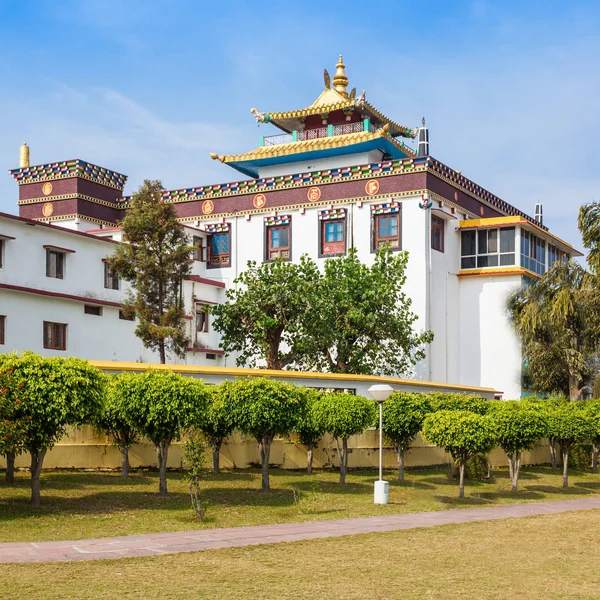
[
  {"x": 592, "y": 408},
  {"x": 557, "y": 319},
  {"x": 589, "y": 226},
  {"x": 155, "y": 261},
  {"x": 13, "y": 431},
  {"x": 263, "y": 408},
  {"x": 461, "y": 433},
  {"x": 359, "y": 319},
  {"x": 518, "y": 428},
  {"x": 161, "y": 405},
  {"x": 308, "y": 428},
  {"x": 53, "y": 393},
  {"x": 343, "y": 415},
  {"x": 403, "y": 416},
  {"x": 457, "y": 401},
  {"x": 216, "y": 424},
  {"x": 264, "y": 311},
  {"x": 568, "y": 425},
  {"x": 113, "y": 422}
]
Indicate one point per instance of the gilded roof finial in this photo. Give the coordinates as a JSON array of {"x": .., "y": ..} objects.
[
  {"x": 340, "y": 81},
  {"x": 24, "y": 156}
]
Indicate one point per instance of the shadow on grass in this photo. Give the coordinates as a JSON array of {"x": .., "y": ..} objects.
[
  {"x": 573, "y": 490},
  {"x": 519, "y": 495},
  {"x": 589, "y": 485}
]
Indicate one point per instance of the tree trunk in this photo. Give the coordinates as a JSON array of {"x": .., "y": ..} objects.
[
  {"x": 553, "y": 454},
  {"x": 215, "y": 446},
  {"x": 10, "y": 467},
  {"x": 162, "y": 450},
  {"x": 595, "y": 452},
  {"x": 309, "y": 456},
  {"x": 461, "y": 484},
  {"x": 265, "y": 452},
  {"x": 511, "y": 469},
  {"x": 565, "y": 457},
  {"x": 162, "y": 353},
  {"x": 574, "y": 388},
  {"x": 37, "y": 460},
  {"x": 342, "y": 455},
  {"x": 124, "y": 462},
  {"x": 515, "y": 475},
  {"x": 400, "y": 465}
]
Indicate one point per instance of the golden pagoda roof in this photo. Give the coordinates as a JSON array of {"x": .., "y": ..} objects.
[
  {"x": 324, "y": 143},
  {"x": 332, "y": 98}
]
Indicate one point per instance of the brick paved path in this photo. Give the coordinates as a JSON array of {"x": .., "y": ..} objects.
[{"x": 207, "y": 539}]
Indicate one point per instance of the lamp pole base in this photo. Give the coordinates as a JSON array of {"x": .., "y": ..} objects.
[{"x": 381, "y": 492}]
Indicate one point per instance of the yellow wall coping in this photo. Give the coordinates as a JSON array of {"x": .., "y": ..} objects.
[
  {"x": 107, "y": 365},
  {"x": 497, "y": 271}
]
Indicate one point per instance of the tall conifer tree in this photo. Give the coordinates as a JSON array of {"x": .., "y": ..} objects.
[{"x": 155, "y": 260}]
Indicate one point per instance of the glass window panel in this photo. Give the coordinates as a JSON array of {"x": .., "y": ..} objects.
[
  {"x": 467, "y": 262},
  {"x": 507, "y": 259},
  {"x": 507, "y": 239},
  {"x": 467, "y": 243},
  {"x": 482, "y": 242},
  {"x": 387, "y": 226},
  {"x": 492, "y": 240},
  {"x": 220, "y": 243},
  {"x": 334, "y": 231}
]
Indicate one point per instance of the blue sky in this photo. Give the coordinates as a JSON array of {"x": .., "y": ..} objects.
[{"x": 149, "y": 87}]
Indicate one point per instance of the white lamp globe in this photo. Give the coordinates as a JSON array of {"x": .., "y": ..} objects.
[{"x": 381, "y": 391}]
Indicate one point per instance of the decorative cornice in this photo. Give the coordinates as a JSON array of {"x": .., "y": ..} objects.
[
  {"x": 73, "y": 216},
  {"x": 70, "y": 197},
  {"x": 28, "y": 290},
  {"x": 68, "y": 169},
  {"x": 497, "y": 271}
]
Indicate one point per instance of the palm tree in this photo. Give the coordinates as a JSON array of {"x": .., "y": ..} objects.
[{"x": 558, "y": 318}]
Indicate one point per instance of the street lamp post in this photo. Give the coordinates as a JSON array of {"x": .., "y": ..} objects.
[{"x": 380, "y": 393}]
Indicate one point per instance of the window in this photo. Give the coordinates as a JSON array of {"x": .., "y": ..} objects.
[
  {"x": 487, "y": 248},
  {"x": 201, "y": 318},
  {"x": 124, "y": 316},
  {"x": 2, "y": 328},
  {"x": 1, "y": 253},
  {"x": 200, "y": 249},
  {"x": 55, "y": 264},
  {"x": 533, "y": 252},
  {"x": 220, "y": 249},
  {"x": 554, "y": 255},
  {"x": 332, "y": 237},
  {"x": 55, "y": 336},
  {"x": 437, "y": 233},
  {"x": 111, "y": 281},
  {"x": 211, "y": 356},
  {"x": 386, "y": 230},
  {"x": 278, "y": 242},
  {"x": 90, "y": 309}
]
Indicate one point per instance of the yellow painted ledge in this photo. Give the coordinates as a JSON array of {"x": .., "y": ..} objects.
[
  {"x": 107, "y": 365},
  {"x": 497, "y": 271}
]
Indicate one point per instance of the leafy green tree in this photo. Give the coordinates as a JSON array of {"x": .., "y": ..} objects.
[
  {"x": 263, "y": 408},
  {"x": 155, "y": 261},
  {"x": 13, "y": 431},
  {"x": 53, "y": 393},
  {"x": 308, "y": 428},
  {"x": 569, "y": 425},
  {"x": 359, "y": 319},
  {"x": 216, "y": 424},
  {"x": 343, "y": 415},
  {"x": 592, "y": 408},
  {"x": 457, "y": 401},
  {"x": 518, "y": 428},
  {"x": 461, "y": 433},
  {"x": 403, "y": 416},
  {"x": 589, "y": 226},
  {"x": 264, "y": 312},
  {"x": 557, "y": 320},
  {"x": 113, "y": 422},
  {"x": 161, "y": 405}
]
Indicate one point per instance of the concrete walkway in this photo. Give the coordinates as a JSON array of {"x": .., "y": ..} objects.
[{"x": 208, "y": 539}]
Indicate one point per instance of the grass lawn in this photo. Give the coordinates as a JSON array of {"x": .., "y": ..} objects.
[
  {"x": 78, "y": 505},
  {"x": 547, "y": 557}
]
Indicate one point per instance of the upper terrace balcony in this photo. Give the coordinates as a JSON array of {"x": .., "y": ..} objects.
[{"x": 318, "y": 132}]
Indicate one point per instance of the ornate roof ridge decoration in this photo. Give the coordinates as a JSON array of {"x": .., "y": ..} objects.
[
  {"x": 323, "y": 143},
  {"x": 69, "y": 168}
]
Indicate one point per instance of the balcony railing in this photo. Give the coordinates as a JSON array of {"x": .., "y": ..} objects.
[{"x": 318, "y": 132}]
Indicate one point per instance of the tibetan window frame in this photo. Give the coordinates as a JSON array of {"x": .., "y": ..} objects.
[
  {"x": 200, "y": 253},
  {"x": 278, "y": 223},
  {"x": 383, "y": 211},
  {"x": 218, "y": 261},
  {"x": 55, "y": 336},
  {"x": 201, "y": 319},
  {"x": 111, "y": 281},
  {"x": 334, "y": 215},
  {"x": 438, "y": 226}
]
